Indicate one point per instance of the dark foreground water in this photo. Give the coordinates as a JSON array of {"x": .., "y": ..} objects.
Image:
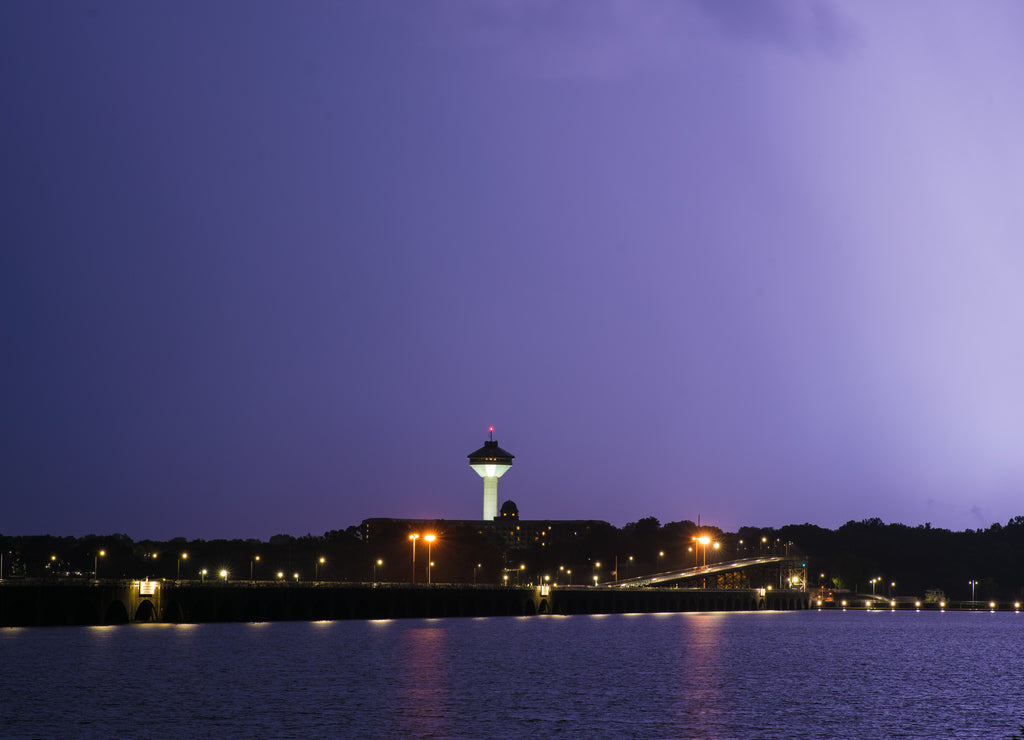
[{"x": 729, "y": 675}]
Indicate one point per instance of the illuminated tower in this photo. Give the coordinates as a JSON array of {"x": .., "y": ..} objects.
[{"x": 490, "y": 462}]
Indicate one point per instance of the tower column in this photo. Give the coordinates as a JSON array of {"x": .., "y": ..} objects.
[{"x": 490, "y": 497}]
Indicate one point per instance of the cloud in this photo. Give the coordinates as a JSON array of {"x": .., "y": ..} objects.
[
  {"x": 790, "y": 25},
  {"x": 603, "y": 39},
  {"x": 567, "y": 38}
]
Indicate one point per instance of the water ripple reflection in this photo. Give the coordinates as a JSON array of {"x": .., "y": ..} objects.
[{"x": 728, "y": 675}]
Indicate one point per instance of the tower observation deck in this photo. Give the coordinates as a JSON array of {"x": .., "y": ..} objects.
[{"x": 490, "y": 462}]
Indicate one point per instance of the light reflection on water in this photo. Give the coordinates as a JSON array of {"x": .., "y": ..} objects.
[{"x": 717, "y": 675}]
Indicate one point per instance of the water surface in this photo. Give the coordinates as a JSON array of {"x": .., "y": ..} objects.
[{"x": 712, "y": 675}]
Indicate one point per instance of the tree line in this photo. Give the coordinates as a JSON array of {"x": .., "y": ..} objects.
[{"x": 859, "y": 556}]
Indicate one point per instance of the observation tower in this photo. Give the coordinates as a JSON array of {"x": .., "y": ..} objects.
[{"x": 490, "y": 462}]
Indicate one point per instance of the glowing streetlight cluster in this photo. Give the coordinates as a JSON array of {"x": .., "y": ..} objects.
[
  {"x": 703, "y": 541},
  {"x": 429, "y": 538}
]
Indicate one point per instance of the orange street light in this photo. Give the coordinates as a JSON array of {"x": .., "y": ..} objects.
[
  {"x": 414, "y": 537},
  {"x": 316, "y": 565},
  {"x": 183, "y": 556},
  {"x": 430, "y": 540}
]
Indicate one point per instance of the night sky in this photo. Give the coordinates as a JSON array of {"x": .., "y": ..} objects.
[{"x": 276, "y": 267}]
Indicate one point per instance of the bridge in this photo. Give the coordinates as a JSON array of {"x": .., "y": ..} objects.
[{"x": 775, "y": 571}]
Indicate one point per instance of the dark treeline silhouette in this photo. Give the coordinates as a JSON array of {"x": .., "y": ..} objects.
[{"x": 914, "y": 558}]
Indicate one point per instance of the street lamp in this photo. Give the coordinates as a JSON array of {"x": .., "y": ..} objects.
[
  {"x": 376, "y": 565},
  {"x": 183, "y": 556},
  {"x": 414, "y": 537},
  {"x": 296, "y": 575},
  {"x": 597, "y": 566},
  {"x": 96, "y": 563},
  {"x": 280, "y": 575},
  {"x": 973, "y": 584},
  {"x": 873, "y": 582},
  {"x": 316, "y": 566},
  {"x": 224, "y": 575},
  {"x": 430, "y": 540},
  {"x": 703, "y": 541},
  {"x": 202, "y": 575},
  {"x": 252, "y": 565},
  {"x": 475, "y": 568}
]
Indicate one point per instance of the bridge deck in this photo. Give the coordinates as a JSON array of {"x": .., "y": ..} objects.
[{"x": 700, "y": 570}]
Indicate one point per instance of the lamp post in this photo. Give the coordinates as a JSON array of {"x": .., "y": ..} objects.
[
  {"x": 316, "y": 566},
  {"x": 414, "y": 537},
  {"x": 873, "y": 582},
  {"x": 597, "y": 566},
  {"x": 704, "y": 541},
  {"x": 183, "y": 556},
  {"x": 430, "y": 540},
  {"x": 96, "y": 563},
  {"x": 973, "y": 584},
  {"x": 475, "y": 568},
  {"x": 376, "y": 565},
  {"x": 252, "y": 566},
  {"x": 202, "y": 575},
  {"x": 224, "y": 575}
]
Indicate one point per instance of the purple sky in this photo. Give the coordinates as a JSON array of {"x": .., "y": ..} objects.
[{"x": 277, "y": 267}]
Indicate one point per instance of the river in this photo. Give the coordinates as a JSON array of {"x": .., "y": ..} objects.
[{"x": 748, "y": 675}]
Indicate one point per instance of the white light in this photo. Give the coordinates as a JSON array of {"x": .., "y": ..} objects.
[{"x": 490, "y": 470}]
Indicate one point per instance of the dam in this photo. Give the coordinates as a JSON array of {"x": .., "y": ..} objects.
[{"x": 31, "y": 602}]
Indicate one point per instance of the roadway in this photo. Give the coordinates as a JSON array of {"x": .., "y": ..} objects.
[{"x": 700, "y": 570}]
